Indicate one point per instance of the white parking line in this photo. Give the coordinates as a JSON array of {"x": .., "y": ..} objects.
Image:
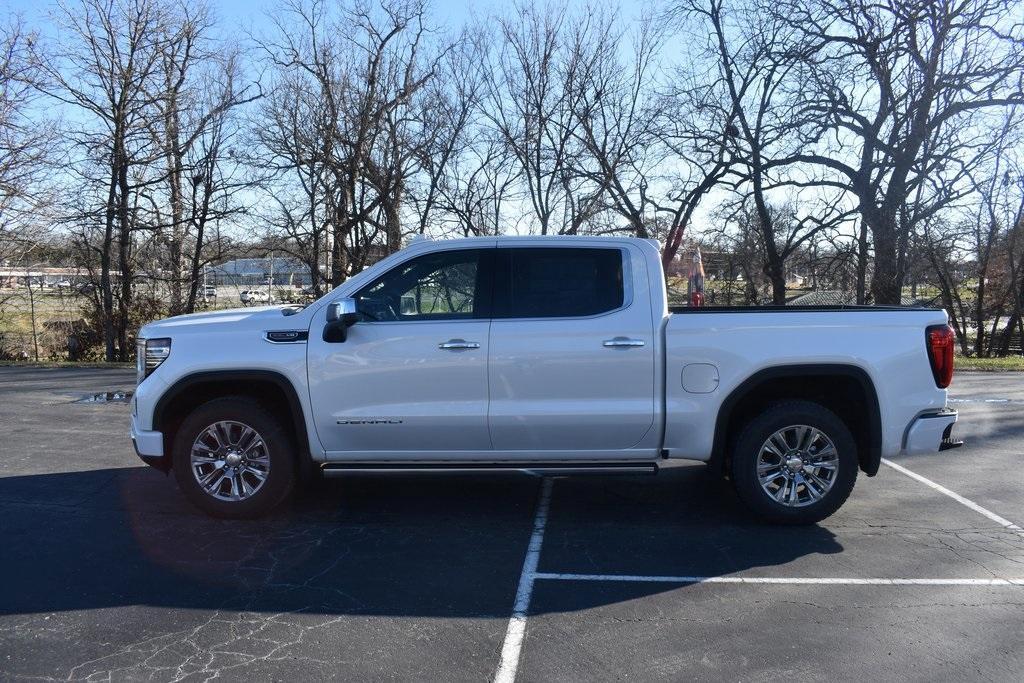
[
  {"x": 1002, "y": 521},
  {"x": 825, "y": 581},
  {"x": 516, "y": 631}
]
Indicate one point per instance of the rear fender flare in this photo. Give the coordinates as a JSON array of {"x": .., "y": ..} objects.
[{"x": 869, "y": 460}]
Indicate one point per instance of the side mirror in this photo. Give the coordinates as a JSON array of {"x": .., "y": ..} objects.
[{"x": 341, "y": 315}]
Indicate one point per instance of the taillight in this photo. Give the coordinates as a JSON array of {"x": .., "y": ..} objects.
[{"x": 940, "y": 353}]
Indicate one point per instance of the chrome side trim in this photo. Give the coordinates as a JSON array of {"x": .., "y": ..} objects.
[{"x": 335, "y": 469}]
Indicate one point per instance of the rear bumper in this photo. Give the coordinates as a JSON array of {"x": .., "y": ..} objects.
[{"x": 930, "y": 433}]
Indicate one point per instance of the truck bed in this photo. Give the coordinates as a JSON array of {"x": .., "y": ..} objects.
[
  {"x": 796, "y": 309},
  {"x": 724, "y": 346}
]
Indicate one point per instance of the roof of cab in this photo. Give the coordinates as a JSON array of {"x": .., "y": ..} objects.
[{"x": 501, "y": 239}]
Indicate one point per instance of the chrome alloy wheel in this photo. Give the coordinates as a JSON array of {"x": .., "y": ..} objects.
[
  {"x": 230, "y": 460},
  {"x": 797, "y": 465}
]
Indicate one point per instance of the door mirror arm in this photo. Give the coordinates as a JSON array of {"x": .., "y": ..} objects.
[{"x": 341, "y": 315}]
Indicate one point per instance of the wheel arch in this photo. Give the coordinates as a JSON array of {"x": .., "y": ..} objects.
[
  {"x": 850, "y": 393},
  {"x": 272, "y": 389}
]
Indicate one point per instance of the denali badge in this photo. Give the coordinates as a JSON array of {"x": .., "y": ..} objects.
[{"x": 371, "y": 421}]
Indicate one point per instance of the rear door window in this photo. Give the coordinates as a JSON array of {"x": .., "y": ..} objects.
[{"x": 559, "y": 282}]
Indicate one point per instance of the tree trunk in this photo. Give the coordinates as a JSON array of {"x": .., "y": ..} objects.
[
  {"x": 175, "y": 173},
  {"x": 196, "y": 264},
  {"x": 887, "y": 283},
  {"x": 175, "y": 251},
  {"x": 339, "y": 231},
  {"x": 777, "y": 276},
  {"x": 337, "y": 254},
  {"x": 862, "y": 263},
  {"x": 123, "y": 255},
  {"x": 314, "y": 264},
  {"x": 979, "y": 315},
  {"x": 106, "y": 285},
  {"x": 392, "y": 221}
]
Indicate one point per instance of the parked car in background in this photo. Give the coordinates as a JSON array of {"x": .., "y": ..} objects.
[
  {"x": 251, "y": 297},
  {"x": 551, "y": 355}
]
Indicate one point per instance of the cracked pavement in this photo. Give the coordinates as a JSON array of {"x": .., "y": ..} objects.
[{"x": 108, "y": 574}]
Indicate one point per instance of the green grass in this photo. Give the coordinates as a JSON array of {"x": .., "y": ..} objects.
[{"x": 1008, "y": 364}]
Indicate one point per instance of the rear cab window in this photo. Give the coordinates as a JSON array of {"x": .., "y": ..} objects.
[{"x": 558, "y": 282}]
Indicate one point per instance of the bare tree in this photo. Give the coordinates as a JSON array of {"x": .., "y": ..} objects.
[
  {"x": 286, "y": 132},
  {"x": 108, "y": 55},
  {"x": 890, "y": 96},
  {"x": 194, "y": 93},
  {"x": 990, "y": 231},
  {"x": 738, "y": 235},
  {"x": 27, "y": 147},
  {"x": 618, "y": 112},
  {"x": 742, "y": 118},
  {"x": 347, "y": 81},
  {"x": 975, "y": 258},
  {"x": 449, "y": 122},
  {"x": 218, "y": 190},
  {"x": 532, "y": 101},
  {"x": 475, "y": 188},
  {"x": 1013, "y": 183}
]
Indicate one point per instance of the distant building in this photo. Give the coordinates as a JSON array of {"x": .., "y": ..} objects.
[
  {"x": 285, "y": 271},
  {"x": 43, "y": 276}
]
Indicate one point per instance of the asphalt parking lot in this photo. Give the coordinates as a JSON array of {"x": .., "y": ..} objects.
[{"x": 107, "y": 573}]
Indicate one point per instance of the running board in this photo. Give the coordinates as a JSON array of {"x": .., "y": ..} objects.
[{"x": 336, "y": 469}]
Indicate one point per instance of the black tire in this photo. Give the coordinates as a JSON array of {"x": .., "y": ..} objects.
[
  {"x": 279, "y": 449},
  {"x": 747, "y": 448}
]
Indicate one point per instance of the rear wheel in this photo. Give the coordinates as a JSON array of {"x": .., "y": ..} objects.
[
  {"x": 233, "y": 458},
  {"x": 796, "y": 463}
]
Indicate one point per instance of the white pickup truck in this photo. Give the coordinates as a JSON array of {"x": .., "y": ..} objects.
[{"x": 554, "y": 355}]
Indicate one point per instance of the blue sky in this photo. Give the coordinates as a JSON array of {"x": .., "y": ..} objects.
[{"x": 251, "y": 14}]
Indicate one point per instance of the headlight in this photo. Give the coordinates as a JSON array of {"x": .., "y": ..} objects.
[{"x": 149, "y": 354}]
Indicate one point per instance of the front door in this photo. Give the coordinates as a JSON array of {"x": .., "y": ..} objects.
[
  {"x": 411, "y": 378},
  {"x": 572, "y": 353}
]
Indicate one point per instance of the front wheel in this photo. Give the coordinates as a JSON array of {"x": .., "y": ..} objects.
[
  {"x": 233, "y": 458},
  {"x": 796, "y": 463}
]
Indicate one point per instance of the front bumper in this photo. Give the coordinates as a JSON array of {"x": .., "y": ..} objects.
[
  {"x": 930, "y": 433},
  {"x": 148, "y": 445}
]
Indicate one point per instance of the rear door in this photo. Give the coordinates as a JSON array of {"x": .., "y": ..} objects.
[{"x": 571, "y": 368}]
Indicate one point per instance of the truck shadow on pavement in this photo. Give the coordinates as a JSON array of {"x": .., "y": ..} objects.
[{"x": 406, "y": 546}]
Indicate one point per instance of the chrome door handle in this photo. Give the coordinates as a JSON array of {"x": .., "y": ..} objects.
[
  {"x": 454, "y": 344},
  {"x": 620, "y": 342}
]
